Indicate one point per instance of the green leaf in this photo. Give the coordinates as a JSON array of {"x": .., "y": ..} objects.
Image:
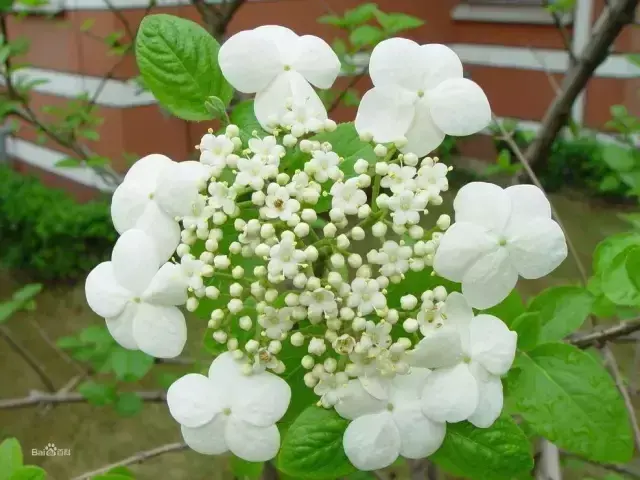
[
  {"x": 334, "y": 20},
  {"x": 312, "y": 447},
  {"x": 29, "y": 472},
  {"x": 97, "y": 393},
  {"x": 609, "y": 183},
  {"x": 619, "y": 158},
  {"x": 393, "y": 23},
  {"x": 10, "y": 457},
  {"x": 562, "y": 311},
  {"x": 361, "y": 14},
  {"x": 97, "y": 161},
  {"x": 610, "y": 247},
  {"x": 632, "y": 218},
  {"x": 90, "y": 135},
  {"x": 123, "y": 471},
  {"x": 217, "y": 109},
  {"x": 244, "y": 117},
  {"x": 87, "y": 24},
  {"x": 509, "y": 309},
  {"x": 130, "y": 365},
  {"x": 619, "y": 281},
  {"x": 178, "y": 60},
  {"x": 501, "y": 451},
  {"x": 244, "y": 470},
  {"x": 112, "y": 476},
  {"x": 504, "y": 158},
  {"x": 566, "y": 396},
  {"x": 128, "y": 404},
  {"x": 528, "y": 328},
  {"x": 68, "y": 162},
  {"x": 366, "y": 36},
  {"x": 27, "y": 293},
  {"x": 6, "y": 5}
]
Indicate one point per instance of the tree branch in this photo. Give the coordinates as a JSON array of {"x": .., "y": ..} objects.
[
  {"x": 622, "y": 469},
  {"x": 38, "y": 398},
  {"x": 611, "y": 23},
  {"x": 30, "y": 359},
  {"x": 137, "y": 458},
  {"x": 599, "y": 337}
]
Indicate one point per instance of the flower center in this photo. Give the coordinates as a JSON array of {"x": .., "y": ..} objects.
[
  {"x": 136, "y": 300},
  {"x": 466, "y": 359},
  {"x": 390, "y": 406},
  {"x": 287, "y": 68},
  {"x": 278, "y": 203},
  {"x": 502, "y": 241},
  {"x": 226, "y": 411},
  {"x": 151, "y": 196},
  {"x": 420, "y": 93}
]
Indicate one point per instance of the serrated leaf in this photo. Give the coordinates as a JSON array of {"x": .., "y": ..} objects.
[
  {"x": 617, "y": 282},
  {"x": 393, "y": 23},
  {"x": 567, "y": 397},
  {"x": 128, "y": 404},
  {"x": 366, "y": 36},
  {"x": 178, "y": 60},
  {"x": 10, "y": 457},
  {"x": 562, "y": 311},
  {"x": 312, "y": 446},
  {"x": 500, "y": 452},
  {"x": 361, "y": 14}
]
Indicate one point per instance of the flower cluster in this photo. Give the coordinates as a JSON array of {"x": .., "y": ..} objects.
[{"x": 295, "y": 249}]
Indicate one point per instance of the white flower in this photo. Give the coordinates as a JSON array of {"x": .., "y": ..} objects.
[
  {"x": 498, "y": 235},
  {"x": 191, "y": 268},
  {"x": 406, "y": 207},
  {"x": 384, "y": 428},
  {"x": 276, "y": 321},
  {"x": 222, "y": 197},
  {"x": 347, "y": 196},
  {"x": 253, "y": 172},
  {"x": 419, "y": 93},
  {"x": 399, "y": 178},
  {"x": 331, "y": 387},
  {"x": 285, "y": 258},
  {"x": 278, "y": 204},
  {"x": 229, "y": 411},
  {"x": 199, "y": 217},
  {"x": 303, "y": 189},
  {"x": 136, "y": 293},
  {"x": 470, "y": 354},
  {"x": 379, "y": 333},
  {"x": 393, "y": 258},
  {"x": 432, "y": 178},
  {"x": 366, "y": 296},
  {"x": 323, "y": 166},
  {"x": 267, "y": 149},
  {"x": 321, "y": 302},
  {"x": 277, "y": 65},
  {"x": 214, "y": 151},
  {"x": 302, "y": 118}
]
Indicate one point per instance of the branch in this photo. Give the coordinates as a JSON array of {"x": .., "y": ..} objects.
[
  {"x": 599, "y": 337},
  {"x": 38, "y": 398},
  {"x": 611, "y": 23},
  {"x": 137, "y": 458},
  {"x": 30, "y": 359},
  {"x": 226, "y": 17},
  {"x": 622, "y": 469},
  {"x": 355, "y": 79},
  {"x": 564, "y": 33}
]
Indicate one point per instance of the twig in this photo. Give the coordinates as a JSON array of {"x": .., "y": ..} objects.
[
  {"x": 137, "y": 458},
  {"x": 378, "y": 475},
  {"x": 606, "y": 334},
  {"x": 622, "y": 469},
  {"x": 30, "y": 359},
  {"x": 617, "y": 376},
  {"x": 564, "y": 32},
  {"x": 355, "y": 79},
  {"x": 548, "y": 464},
  {"x": 45, "y": 336},
  {"x": 38, "y": 398}
]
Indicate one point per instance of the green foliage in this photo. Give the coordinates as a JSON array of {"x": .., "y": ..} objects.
[
  {"x": 566, "y": 396},
  {"x": 312, "y": 446},
  {"x": 528, "y": 327},
  {"x": 45, "y": 232},
  {"x": 178, "y": 60},
  {"x": 10, "y": 458},
  {"x": 244, "y": 117},
  {"x": 500, "y": 452},
  {"x": 128, "y": 404},
  {"x": 97, "y": 393},
  {"x": 620, "y": 280},
  {"x": 29, "y": 472},
  {"x": 244, "y": 470},
  {"x": 20, "y": 300}
]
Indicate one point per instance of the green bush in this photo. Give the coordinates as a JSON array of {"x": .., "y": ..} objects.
[{"x": 46, "y": 233}]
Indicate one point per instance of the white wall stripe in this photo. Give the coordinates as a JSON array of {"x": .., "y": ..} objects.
[{"x": 46, "y": 159}]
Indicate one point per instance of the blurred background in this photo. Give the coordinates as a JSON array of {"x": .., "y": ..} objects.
[{"x": 562, "y": 77}]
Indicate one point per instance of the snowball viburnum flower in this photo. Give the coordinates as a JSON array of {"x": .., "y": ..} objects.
[
  {"x": 277, "y": 65},
  {"x": 469, "y": 354},
  {"x": 406, "y": 207},
  {"x": 395, "y": 424},
  {"x": 214, "y": 150},
  {"x": 136, "y": 293},
  {"x": 366, "y": 296},
  {"x": 348, "y": 196},
  {"x": 498, "y": 234},
  {"x": 278, "y": 203},
  {"x": 229, "y": 411},
  {"x": 419, "y": 93}
]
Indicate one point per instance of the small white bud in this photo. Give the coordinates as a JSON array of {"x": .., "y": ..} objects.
[
  {"x": 297, "y": 339},
  {"x": 211, "y": 245},
  {"x": 383, "y": 281},
  {"x": 401, "y": 142},
  {"x": 274, "y": 347},
  {"x": 183, "y": 249},
  {"x": 380, "y": 150},
  {"x": 307, "y": 362},
  {"x": 282, "y": 179},
  {"x": 313, "y": 283},
  {"x": 311, "y": 253},
  {"x": 330, "y": 125},
  {"x": 440, "y": 293},
  {"x": 343, "y": 241},
  {"x": 271, "y": 295},
  {"x": 383, "y": 200},
  {"x": 382, "y": 168},
  {"x": 392, "y": 316},
  {"x": 192, "y": 304},
  {"x": 317, "y": 346},
  {"x": 245, "y": 323},
  {"x": 318, "y": 370},
  {"x": 235, "y": 305},
  {"x": 347, "y": 314},
  {"x": 416, "y": 232},
  {"x": 379, "y": 229},
  {"x": 300, "y": 280},
  {"x": 220, "y": 336},
  {"x": 330, "y": 364},
  {"x": 222, "y": 262},
  {"x": 410, "y": 159},
  {"x": 364, "y": 211},
  {"x": 308, "y": 215},
  {"x": 359, "y": 324},
  {"x": 361, "y": 166},
  {"x": 260, "y": 271},
  {"x": 337, "y": 260},
  {"x": 334, "y": 279},
  {"x": 310, "y": 380},
  {"x": 336, "y": 215},
  {"x": 410, "y": 325},
  {"x": 252, "y": 346},
  {"x": 212, "y": 292},
  {"x": 291, "y": 299},
  {"x": 232, "y": 160},
  {"x": 235, "y": 290},
  {"x": 301, "y": 230},
  {"x": 408, "y": 302},
  {"x": 444, "y": 222},
  {"x": 232, "y": 344},
  {"x": 232, "y": 131},
  {"x": 354, "y": 260},
  {"x": 289, "y": 140},
  {"x": 306, "y": 146},
  {"x": 329, "y": 230},
  {"x": 366, "y": 137},
  {"x": 257, "y": 198},
  {"x": 364, "y": 180}
]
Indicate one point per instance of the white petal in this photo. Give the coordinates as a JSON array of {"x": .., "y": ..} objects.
[
  {"x": 406, "y": 389},
  {"x": 317, "y": 62},
  {"x": 121, "y": 327},
  {"x": 536, "y": 246},
  {"x": 355, "y": 402},
  {"x": 135, "y": 260},
  {"x": 462, "y": 245},
  {"x": 442, "y": 64},
  {"x": 459, "y": 313},
  {"x": 372, "y": 442},
  {"x": 397, "y": 62},
  {"x": 178, "y": 187},
  {"x": 249, "y": 61},
  {"x": 145, "y": 171},
  {"x": 207, "y": 439},
  {"x": 160, "y": 331},
  {"x": 225, "y": 372},
  {"x": 490, "y": 400},
  {"x": 261, "y": 399},
  {"x": 128, "y": 204},
  {"x": 492, "y": 344},
  {"x": 377, "y": 387},
  {"x": 251, "y": 443},
  {"x": 386, "y": 113},
  {"x": 490, "y": 279},
  {"x": 168, "y": 286},
  {"x": 423, "y": 135},
  {"x": 193, "y": 400},
  {"x": 459, "y": 107},
  {"x": 450, "y": 395},
  {"x": 104, "y": 294},
  {"x": 271, "y": 102},
  {"x": 528, "y": 201},
  {"x": 419, "y": 436},
  {"x": 439, "y": 348},
  {"x": 285, "y": 40},
  {"x": 163, "y": 230},
  {"x": 483, "y": 204}
]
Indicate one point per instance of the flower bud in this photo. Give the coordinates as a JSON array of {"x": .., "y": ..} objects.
[
  {"x": 245, "y": 323},
  {"x": 220, "y": 336},
  {"x": 361, "y": 166},
  {"x": 343, "y": 242},
  {"x": 408, "y": 302},
  {"x": 310, "y": 380},
  {"x": 382, "y": 168},
  {"x": 410, "y": 159},
  {"x": 307, "y": 362},
  {"x": 183, "y": 249},
  {"x": 235, "y": 305},
  {"x": 301, "y": 230},
  {"x": 212, "y": 292},
  {"x": 380, "y": 150},
  {"x": 444, "y": 222},
  {"x": 440, "y": 293},
  {"x": 410, "y": 325},
  {"x": 317, "y": 346},
  {"x": 274, "y": 347},
  {"x": 329, "y": 230},
  {"x": 379, "y": 229},
  {"x": 192, "y": 304},
  {"x": 289, "y": 140},
  {"x": 330, "y": 365},
  {"x": 252, "y": 346},
  {"x": 297, "y": 339}
]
